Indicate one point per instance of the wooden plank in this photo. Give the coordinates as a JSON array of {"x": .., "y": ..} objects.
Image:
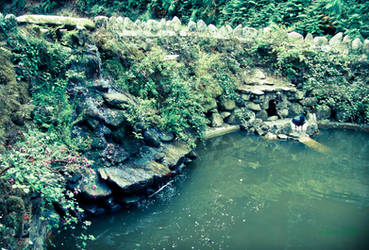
[{"x": 314, "y": 144}]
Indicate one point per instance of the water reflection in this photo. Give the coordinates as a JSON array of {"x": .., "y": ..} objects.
[{"x": 247, "y": 193}]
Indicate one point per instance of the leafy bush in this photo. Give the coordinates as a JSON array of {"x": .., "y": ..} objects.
[
  {"x": 163, "y": 87},
  {"x": 45, "y": 66},
  {"x": 41, "y": 165},
  {"x": 6, "y": 27},
  {"x": 318, "y": 17},
  {"x": 336, "y": 79}
]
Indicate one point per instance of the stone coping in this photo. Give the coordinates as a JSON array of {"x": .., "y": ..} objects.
[{"x": 343, "y": 125}]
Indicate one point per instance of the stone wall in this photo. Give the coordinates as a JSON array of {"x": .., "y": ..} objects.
[{"x": 123, "y": 26}]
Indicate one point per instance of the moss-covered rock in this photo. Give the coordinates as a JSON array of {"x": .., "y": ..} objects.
[{"x": 13, "y": 96}]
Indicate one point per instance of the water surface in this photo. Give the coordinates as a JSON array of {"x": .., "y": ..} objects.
[{"x": 247, "y": 193}]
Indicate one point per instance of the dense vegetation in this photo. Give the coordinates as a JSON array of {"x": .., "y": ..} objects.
[
  {"x": 46, "y": 155},
  {"x": 175, "y": 82},
  {"x": 318, "y": 17}
]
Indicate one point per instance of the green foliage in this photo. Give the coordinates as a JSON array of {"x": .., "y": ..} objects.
[
  {"x": 41, "y": 165},
  {"x": 45, "y": 66},
  {"x": 6, "y": 27},
  {"x": 336, "y": 79},
  {"x": 167, "y": 98},
  {"x": 317, "y": 17},
  {"x": 130, "y": 8}
]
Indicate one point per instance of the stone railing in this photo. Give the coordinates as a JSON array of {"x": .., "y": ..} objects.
[
  {"x": 153, "y": 28},
  {"x": 124, "y": 27}
]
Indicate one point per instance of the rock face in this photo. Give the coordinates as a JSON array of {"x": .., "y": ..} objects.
[
  {"x": 118, "y": 100},
  {"x": 133, "y": 177}
]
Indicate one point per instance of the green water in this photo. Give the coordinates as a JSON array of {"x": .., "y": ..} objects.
[{"x": 247, "y": 193}]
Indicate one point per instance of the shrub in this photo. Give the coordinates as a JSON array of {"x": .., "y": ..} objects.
[
  {"x": 334, "y": 78},
  {"x": 41, "y": 165}
]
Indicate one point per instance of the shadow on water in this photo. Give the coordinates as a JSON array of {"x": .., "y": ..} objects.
[{"x": 247, "y": 193}]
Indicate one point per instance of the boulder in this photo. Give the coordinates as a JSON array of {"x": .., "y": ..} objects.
[
  {"x": 357, "y": 45},
  {"x": 191, "y": 26},
  {"x": 228, "y": 105},
  {"x": 254, "y": 107},
  {"x": 201, "y": 26},
  {"x": 233, "y": 119},
  {"x": 176, "y": 24},
  {"x": 320, "y": 41},
  {"x": 272, "y": 118},
  {"x": 282, "y": 136},
  {"x": 56, "y": 21},
  {"x": 295, "y": 37},
  {"x": 210, "y": 104},
  {"x": 134, "y": 177},
  {"x": 152, "y": 137},
  {"x": 336, "y": 40},
  {"x": 222, "y": 32},
  {"x": 249, "y": 33},
  {"x": 175, "y": 154},
  {"x": 114, "y": 154},
  {"x": 118, "y": 100},
  {"x": 270, "y": 136},
  {"x": 212, "y": 29},
  {"x": 263, "y": 115},
  {"x": 95, "y": 190},
  {"x": 216, "y": 120},
  {"x": 225, "y": 115},
  {"x": 113, "y": 117},
  {"x": 295, "y": 109},
  {"x": 245, "y": 97},
  {"x": 283, "y": 113},
  {"x": 309, "y": 38},
  {"x": 167, "y": 137},
  {"x": 238, "y": 31}
]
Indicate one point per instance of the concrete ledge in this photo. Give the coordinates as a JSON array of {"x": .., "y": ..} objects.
[
  {"x": 56, "y": 20},
  {"x": 343, "y": 125},
  {"x": 215, "y": 132}
]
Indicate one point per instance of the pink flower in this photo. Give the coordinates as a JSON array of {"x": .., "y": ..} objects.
[
  {"x": 94, "y": 195},
  {"x": 11, "y": 181},
  {"x": 94, "y": 187},
  {"x": 62, "y": 150},
  {"x": 47, "y": 162},
  {"x": 85, "y": 159},
  {"x": 77, "y": 167},
  {"x": 23, "y": 150},
  {"x": 73, "y": 159},
  {"x": 92, "y": 171},
  {"x": 75, "y": 191}
]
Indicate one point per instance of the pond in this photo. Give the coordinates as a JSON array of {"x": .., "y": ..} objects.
[{"x": 247, "y": 193}]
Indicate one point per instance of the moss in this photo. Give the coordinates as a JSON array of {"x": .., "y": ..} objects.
[
  {"x": 7, "y": 73},
  {"x": 14, "y": 205},
  {"x": 13, "y": 96}
]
